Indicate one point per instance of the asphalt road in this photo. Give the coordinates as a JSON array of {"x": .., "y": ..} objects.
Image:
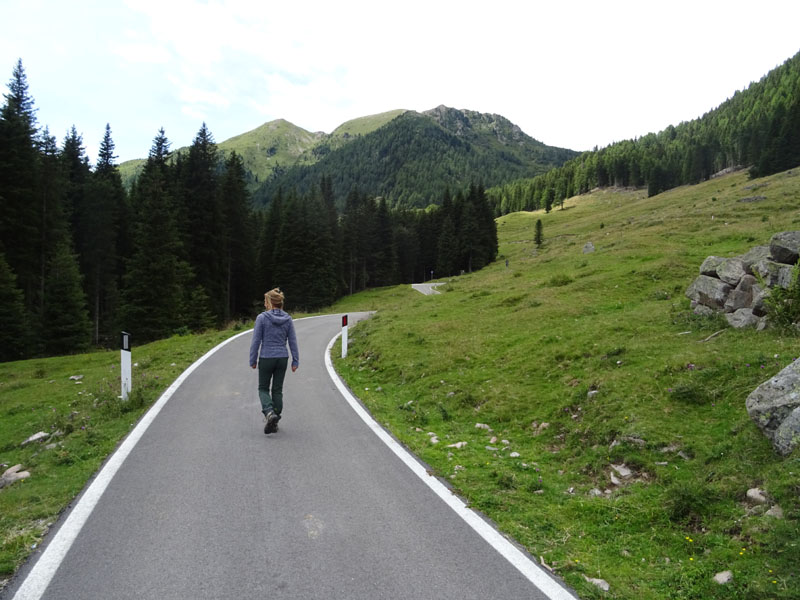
[
  {"x": 426, "y": 288},
  {"x": 207, "y": 506}
]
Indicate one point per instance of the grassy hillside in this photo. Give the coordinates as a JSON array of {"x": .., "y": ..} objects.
[
  {"x": 520, "y": 347},
  {"x": 364, "y": 125}
]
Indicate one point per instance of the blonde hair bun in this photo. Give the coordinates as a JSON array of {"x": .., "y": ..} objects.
[{"x": 274, "y": 298}]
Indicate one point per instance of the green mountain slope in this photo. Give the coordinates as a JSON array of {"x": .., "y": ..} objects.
[
  {"x": 414, "y": 157},
  {"x": 578, "y": 362}
]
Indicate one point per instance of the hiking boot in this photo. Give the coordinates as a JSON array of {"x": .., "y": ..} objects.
[{"x": 272, "y": 422}]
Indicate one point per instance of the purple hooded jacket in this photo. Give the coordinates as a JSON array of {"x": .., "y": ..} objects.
[{"x": 272, "y": 330}]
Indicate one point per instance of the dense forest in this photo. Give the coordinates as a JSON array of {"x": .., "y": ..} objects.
[
  {"x": 412, "y": 160},
  {"x": 757, "y": 128},
  {"x": 81, "y": 258}
]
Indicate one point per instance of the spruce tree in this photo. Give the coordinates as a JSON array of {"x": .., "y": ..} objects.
[
  {"x": 104, "y": 203},
  {"x": 238, "y": 241},
  {"x": 202, "y": 209},
  {"x": 447, "y": 249},
  {"x": 66, "y": 327},
  {"x": 14, "y": 327},
  {"x": 539, "y": 236},
  {"x": 20, "y": 218},
  {"x": 159, "y": 293}
]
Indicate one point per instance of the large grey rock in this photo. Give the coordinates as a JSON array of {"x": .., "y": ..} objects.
[
  {"x": 754, "y": 255},
  {"x": 731, "y": 271},
  {"x": 774, "y": 405},
  {"x": 746, "y": 284},
  {"x": 785, "y": 247},
  {"x": 759, "y": 306},
  {"x": 588, "y": 248},
  {"x": 709, "y": 291},
  {"x": 738, "y": 299},
  {"x": 787, "y": 435},
  {"x": 773, "y": 273},
  {"x": 742, "y": 318},
  {"x": 710, "y": 264}
]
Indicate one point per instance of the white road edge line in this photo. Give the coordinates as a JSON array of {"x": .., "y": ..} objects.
[
  {"x": 532, "y": 572},
  {"x": 42, "y": 573}
]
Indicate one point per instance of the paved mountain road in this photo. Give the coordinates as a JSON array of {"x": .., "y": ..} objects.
[{"x": 207, "y": 506}]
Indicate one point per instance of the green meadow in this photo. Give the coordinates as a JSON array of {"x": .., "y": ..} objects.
[
  {"x": 520, "y": 348},
  {"x": 570, "y": 362}
]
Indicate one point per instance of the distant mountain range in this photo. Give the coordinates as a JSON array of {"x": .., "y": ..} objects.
[{"x": 405, "y": 156}]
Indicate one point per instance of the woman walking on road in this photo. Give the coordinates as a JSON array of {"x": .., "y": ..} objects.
[{"x": 268, "y": 351}]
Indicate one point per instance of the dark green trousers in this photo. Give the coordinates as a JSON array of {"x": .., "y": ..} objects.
[{"x": 271, "y": 370}]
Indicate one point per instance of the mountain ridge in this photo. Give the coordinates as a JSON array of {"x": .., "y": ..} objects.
[{"x": 278, "y": 147}]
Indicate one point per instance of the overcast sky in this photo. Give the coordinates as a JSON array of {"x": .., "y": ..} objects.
[{"x": 573, "y": 74}]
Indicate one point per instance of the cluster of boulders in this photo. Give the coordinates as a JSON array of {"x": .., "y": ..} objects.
[{"x": 738, "y": 286}]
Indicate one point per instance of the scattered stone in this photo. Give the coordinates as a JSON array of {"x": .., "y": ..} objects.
[
  {"x": 588, "y": 248},
  {"x": 173, "y": 365},
  {"x": 756, "y": 496},
  {"x": 491, "y": 448},
  {"x": 514, "y": 455},
  {"x": 753, "y": 199},
  {"x": 723, "y": 577},
  {"x": 634, "y": 440},
  {"x": 592, "y": 393},
  {"x": 571, "y": 490},
  {"x": 671, "y": 448},
  {"x": 76, "y": 377},
  {"x": 493, "y": 439},
  {"x": 601, "y": 583},
  {"x": 36, "y": 437},
  {"x": 12, "y": 474},
  {"x": 457, "y": 445},
  {"x": 623, "y": 471},
  {"x": 662, "y": 463},
  {"x": 506, "y": 442},
  {"x": 482, "y": 426},
  {"x": 595, "y": 493},
  {"x": 614, "y": 479},
  {"x": 684, "y": 456},
  {"x": 450, "y": 394},
  {"x": 434, "y": 440},
  {"x": 541, "y": 428},
  {"x": 776, "y": 512}
]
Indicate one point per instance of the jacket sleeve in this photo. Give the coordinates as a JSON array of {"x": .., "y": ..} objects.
[
  {"x": 293, "y": 345},
  {"x": 256, "y": 343}
]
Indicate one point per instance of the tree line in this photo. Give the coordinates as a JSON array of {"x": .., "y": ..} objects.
[
  {"x": 184, "y": 249},
  {"x": 758, "y": 127}
]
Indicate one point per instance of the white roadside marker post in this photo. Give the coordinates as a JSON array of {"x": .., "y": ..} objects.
[
  {"x": 125, "y": 368},
  {"x": 344, "y": 336}
]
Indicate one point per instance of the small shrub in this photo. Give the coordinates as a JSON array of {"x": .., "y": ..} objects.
[
  {"x": 559, "y": 280},
  {"x": 783, "y": 305},
  {"x": 688, "y": 501}
]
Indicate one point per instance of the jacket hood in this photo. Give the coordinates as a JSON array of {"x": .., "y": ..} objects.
[{"x": 277, "y": 316}]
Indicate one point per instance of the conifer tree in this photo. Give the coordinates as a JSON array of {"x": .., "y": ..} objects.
[
  {"x": 14, "y": 328},
  {"x": 158, "y": 286},
  {"x": 104, "y": 202},
  {"x": 539, "y": 236},
  {"x": 447, "y": 249},
  {"x": 267, "y": 242},
  {"x": 20, "y": 219},
  {"x": 65, "y": 321},
  {"x": 238, "y": 241},
  {"x": 203, "y": 218}
]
